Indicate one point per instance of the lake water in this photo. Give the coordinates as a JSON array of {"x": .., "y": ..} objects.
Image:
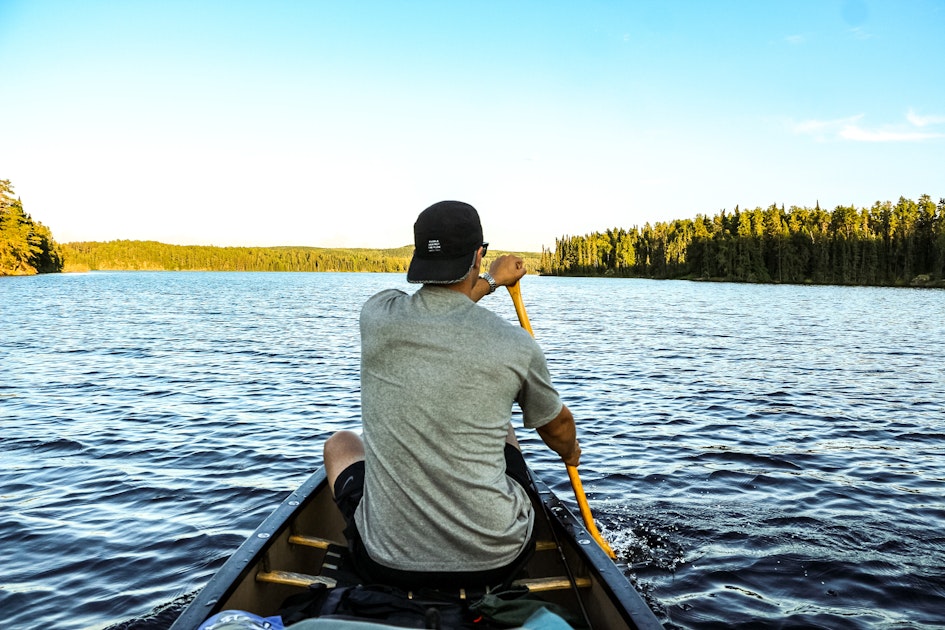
[{"x": 759, "y": 456}]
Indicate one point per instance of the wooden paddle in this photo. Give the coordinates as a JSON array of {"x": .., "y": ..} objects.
[{"x": 516, "y": 292}]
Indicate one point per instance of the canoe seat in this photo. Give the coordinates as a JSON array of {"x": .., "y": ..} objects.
[
  {"x": 534, "y": 585},
  {"x": 324, "y": 543},
  {"x": 334, "y": 559}
]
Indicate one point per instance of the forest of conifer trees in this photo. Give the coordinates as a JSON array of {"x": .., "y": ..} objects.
[
  {"x": 887, "y": 244},
  {"x": 26, "y": 246},
  {"x": 155, "y": 256}
]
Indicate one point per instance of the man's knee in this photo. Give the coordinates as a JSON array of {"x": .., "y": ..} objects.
[
  {"x": 341, "y": 450},
  {"x": 342, "y": 441}
]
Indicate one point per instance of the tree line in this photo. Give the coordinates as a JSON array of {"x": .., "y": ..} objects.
[
  {"x": 126, "y": 255},
  {"x": 887, "y": 244},
  {"x": 154, "y": 256},
  {"x": 26, "y": 246}
]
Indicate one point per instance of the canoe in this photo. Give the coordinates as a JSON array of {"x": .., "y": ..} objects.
[{"x": 297, "y": 546}]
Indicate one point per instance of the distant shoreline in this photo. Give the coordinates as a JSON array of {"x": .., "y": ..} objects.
[{"x": 127, "y": 255}]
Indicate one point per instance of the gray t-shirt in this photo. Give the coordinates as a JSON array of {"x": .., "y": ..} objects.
[{"x": 439, "y": 375}]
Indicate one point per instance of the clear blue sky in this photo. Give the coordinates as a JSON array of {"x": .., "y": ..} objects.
[{"x": 334, "y": 123}]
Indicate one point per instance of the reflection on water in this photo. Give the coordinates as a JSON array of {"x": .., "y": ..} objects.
[{"x": 758, "y": 455}]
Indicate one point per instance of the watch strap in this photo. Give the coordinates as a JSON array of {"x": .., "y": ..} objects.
[{"x": 485, "y": 275}]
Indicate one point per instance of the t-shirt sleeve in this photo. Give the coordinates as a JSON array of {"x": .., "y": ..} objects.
[
  {"x": 377, "y": 307},
  {"x": 538, "y": 398}
]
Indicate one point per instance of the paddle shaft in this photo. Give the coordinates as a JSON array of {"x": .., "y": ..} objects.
[{"x": 516, "y": 292}]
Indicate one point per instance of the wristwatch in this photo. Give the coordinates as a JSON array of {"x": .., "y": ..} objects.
[{"x": 485, "y": 275}]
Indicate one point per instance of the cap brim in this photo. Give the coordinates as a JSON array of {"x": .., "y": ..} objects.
[{"x": 439, "y": 270}]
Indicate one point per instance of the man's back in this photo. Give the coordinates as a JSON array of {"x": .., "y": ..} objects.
[{"x": 438, "y": 377}]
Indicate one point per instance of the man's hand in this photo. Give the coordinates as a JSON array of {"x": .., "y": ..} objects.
[
  {"x": 574, "y": 457},
  {"x": 507, "y": 270}
]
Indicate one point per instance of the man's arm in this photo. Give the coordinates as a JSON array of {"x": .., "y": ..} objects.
[
  {"x": 561, "y": 436},
  {"x": 505, "y": 270}
]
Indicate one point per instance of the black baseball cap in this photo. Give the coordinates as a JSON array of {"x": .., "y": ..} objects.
[{"x": 446, "y": 238}]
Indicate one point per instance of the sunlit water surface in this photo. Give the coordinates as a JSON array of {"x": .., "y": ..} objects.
[{"x": 759, "y": 456}]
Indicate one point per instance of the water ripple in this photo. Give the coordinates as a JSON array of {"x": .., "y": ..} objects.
[{"x": 758, "y": 456}]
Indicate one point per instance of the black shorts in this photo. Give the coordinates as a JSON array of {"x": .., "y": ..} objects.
[{"x": 349, "y": 488}]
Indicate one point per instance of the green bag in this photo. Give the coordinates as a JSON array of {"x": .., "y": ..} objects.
[{"x": 513, "y": 607}]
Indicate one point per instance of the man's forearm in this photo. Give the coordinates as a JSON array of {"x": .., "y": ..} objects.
[
  {"x": 479, "y": 290},
  {"x": 560, "y": 435}
]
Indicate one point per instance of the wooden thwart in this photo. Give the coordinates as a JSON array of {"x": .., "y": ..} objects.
[
  {"x": 537, "y": 585},
  {"x": 290, "y": 578},
  {"x": 310, "y": 541}
]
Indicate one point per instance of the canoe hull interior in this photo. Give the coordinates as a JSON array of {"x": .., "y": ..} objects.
[{"x": 291, "y": 548}]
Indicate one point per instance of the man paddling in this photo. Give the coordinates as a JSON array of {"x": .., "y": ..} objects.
[{"x": 436, "y": 492}]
